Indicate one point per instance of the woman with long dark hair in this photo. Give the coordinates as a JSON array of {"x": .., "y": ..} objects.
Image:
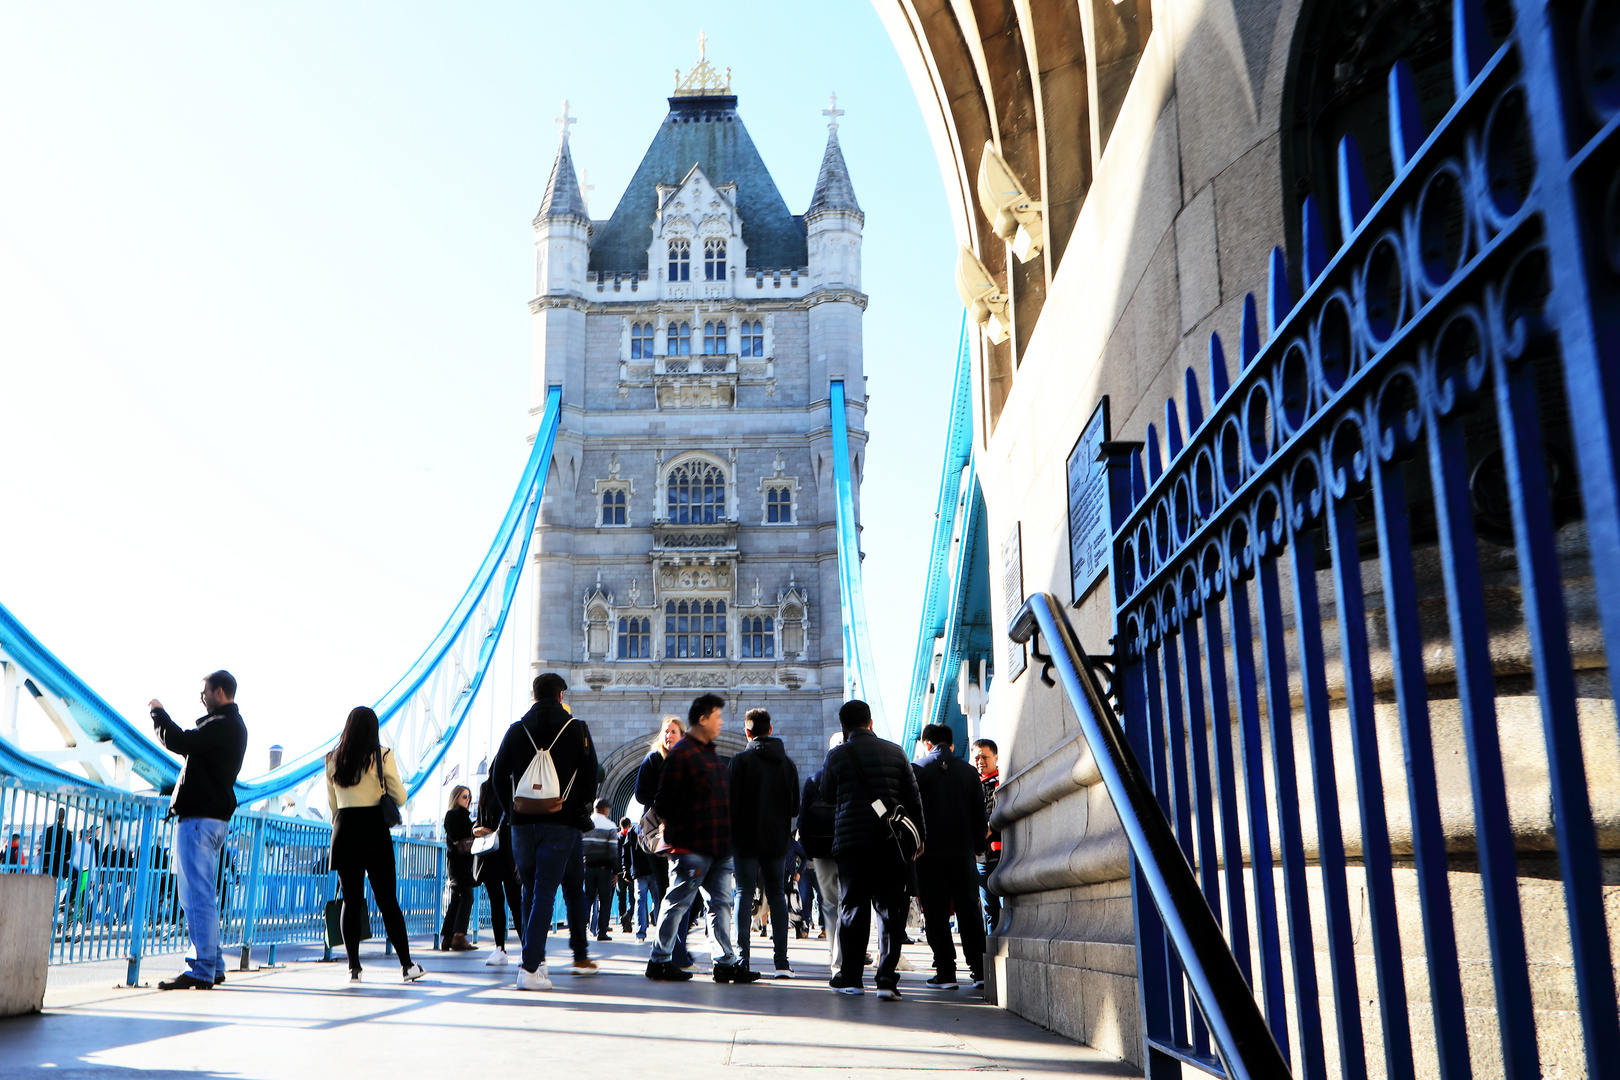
[
  {"x": 458, "y": 838},
  {"x": 497, "y": 873},
  {"x": 360, "y": 773}
]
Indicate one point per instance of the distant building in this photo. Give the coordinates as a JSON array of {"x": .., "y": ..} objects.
[{"x": 687, "y": 539}]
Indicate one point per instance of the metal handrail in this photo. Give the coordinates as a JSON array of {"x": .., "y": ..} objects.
[{"x": 1244, "y": 1043}]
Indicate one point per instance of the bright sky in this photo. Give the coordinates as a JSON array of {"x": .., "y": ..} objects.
[{"x": 264, "y": 336}]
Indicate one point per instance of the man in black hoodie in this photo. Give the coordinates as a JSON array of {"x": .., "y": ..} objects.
[
  {"x": 947, "y": 876},
  {"x": 204, "y": 799},
  {"x": 764, "y": 801},
  {"x": 547, "y": 840}
]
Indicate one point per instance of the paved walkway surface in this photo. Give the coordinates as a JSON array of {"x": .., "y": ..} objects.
[{"x": 303, "y": 1021}]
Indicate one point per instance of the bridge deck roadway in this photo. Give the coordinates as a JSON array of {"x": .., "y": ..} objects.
[{"x": 303, "y": 1021}]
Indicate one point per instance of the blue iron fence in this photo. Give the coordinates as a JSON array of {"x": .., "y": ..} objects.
[
  {"x": 1449, "y": 380},
  {"x": 116, "y": 891}
]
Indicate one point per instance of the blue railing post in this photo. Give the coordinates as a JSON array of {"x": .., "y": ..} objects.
[
  {"x": 143, "y": 890},
  {"x": 250, "y": 905}
]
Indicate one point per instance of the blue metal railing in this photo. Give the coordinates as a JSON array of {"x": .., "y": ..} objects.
[
  {"x": 1478, "y": 293},
  {"x": 860, "y": 671},
  {"x": 117, "y": 897}
]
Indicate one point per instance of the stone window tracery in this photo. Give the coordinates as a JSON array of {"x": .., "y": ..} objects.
[
  {"x": 680, "y": 260},
  {"x": 751, "y": 338},
  {"x": 641, "y": 341},
  {"x": 694, "y": 629},
  {"x": 635, "y": 639},
  {"x": 613, "y": 507},
  {"x": 714, "y": 261},
  {"x": 714, "y": 337},
  {"x": 679, "y": 339},
  {"x": 757, "y": 640},
  {"x": 778, "y": 506},
  {"x": 696, "y": 493}
]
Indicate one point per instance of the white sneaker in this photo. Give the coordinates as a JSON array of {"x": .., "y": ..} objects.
[
  {"x": 354, "y": 978},
  {"x": 533, "y": 980},
  {"x": 414, "y": 972},
  {"x": 497, "y": 958},
  {"x": 905, "y": 965}
]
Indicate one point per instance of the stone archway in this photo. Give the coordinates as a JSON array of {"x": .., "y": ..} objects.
[{"x": 619, "y": 766}]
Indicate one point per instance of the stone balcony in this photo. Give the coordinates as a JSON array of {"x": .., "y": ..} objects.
[{"x": 697, "y": 381}]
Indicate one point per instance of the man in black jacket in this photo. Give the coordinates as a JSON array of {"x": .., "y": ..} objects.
[
  {"x": 953, "y": 806},
  {"x": 764, "y": 801},
  {"x": 859, "y": 775},
  {"x": 204, "y": 799},
  {"x": 547, "y": 841}
]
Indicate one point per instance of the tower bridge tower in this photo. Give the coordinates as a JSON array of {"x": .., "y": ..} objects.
[{"x": 687, "y": 540}]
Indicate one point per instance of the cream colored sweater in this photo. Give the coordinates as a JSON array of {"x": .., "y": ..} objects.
[{"x": 369, "y": 790}]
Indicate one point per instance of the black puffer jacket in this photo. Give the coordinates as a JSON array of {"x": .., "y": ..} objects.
[
  {"x": 764, "y": 799},
  {"x": 953, "y": 804},
  {"x": 888, "y": 776}
]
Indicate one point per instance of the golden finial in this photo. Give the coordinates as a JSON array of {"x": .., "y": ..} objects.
[{"x": 703, "y": 80}]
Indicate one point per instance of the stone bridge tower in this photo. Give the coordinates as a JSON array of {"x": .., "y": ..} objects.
[{"x": 687, "y": 539}]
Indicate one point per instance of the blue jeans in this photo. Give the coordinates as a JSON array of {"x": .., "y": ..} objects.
[
  {"x": 649, "y": 890},
  {"x": 769, "y": 872},
  {"x": 197, "y": 844},
  {"x": 690, "y": 873},
  {"x": 549, "y": 856}
]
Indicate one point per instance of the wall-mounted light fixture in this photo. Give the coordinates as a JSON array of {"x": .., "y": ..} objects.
[
  {"x": 1012, "y": 213},
  {"x": 986, "y": 303}
]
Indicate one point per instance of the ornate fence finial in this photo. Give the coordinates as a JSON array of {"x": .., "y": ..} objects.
[
  {"x": 1405, "y": 122},
  {"x": 1315, "y": 242},
  {"x": 1155, "y": 461},
  {"x": 1172, "y": 428},
  {"x": 1279, "y": 298},
  {"x": 1138, "y": 481},
  {"x": 1218, "y": 383},
  {"x": 1251, "y": 333},
  {"x": 1470, "y": 45},
  {"x": 1195, "y": 404},
  {"x": 1354, "y": 201}
]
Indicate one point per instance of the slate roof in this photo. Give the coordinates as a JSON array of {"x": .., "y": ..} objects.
[
  {"x": 562, "y": 195},
  {"x": 702, "y": 131},
  {"x": 833, "y": 188}
]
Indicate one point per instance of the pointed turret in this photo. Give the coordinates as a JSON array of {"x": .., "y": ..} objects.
[
  {"x": 833, "y": 222},
  {"x": 833, "y": 188},
  {"x": 563, "y": 196}
]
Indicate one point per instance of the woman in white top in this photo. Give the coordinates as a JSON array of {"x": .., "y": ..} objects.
[{"x": 358, "y": 774}]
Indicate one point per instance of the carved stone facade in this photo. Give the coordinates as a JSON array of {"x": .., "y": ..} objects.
[{"x": 687, "y": 541}]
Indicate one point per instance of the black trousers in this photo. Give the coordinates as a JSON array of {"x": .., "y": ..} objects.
[
  {"x": 457, "y": 911},
  {"x": 504, "y": 893},
  {"x": 599, "y": 895},
  {"x": 627, "y": 902},
  {"x": 361, "y": 848},
  {"x": 943, "y": 882},
  {"x": 871, "y": 876}
]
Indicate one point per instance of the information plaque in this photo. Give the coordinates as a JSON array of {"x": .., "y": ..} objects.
[
  {"x": 1012, "y": 597},
  {"x": 1090, "y": 529}
]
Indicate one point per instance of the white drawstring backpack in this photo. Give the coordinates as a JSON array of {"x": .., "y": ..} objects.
[{"x": 540, "y": 790}]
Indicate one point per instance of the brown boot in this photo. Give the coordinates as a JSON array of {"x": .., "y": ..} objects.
[{"x": 460, "y": 944}]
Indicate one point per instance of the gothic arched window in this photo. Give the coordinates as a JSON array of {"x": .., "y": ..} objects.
[
  {"x": 641, "y": 341},
  {"x": 613, "y": 506},
  {"x": 680, "y": 260},
  {"x": 635, "y": 639},
  {"x": 779, "y": 506},
  {"x": 694, "y": 629},
  {"x": 751, "y": 338},
  {"x": 758, "y": 638},
  {"x": 714, "y": 338},
  {"x": 696, "y": 493},
  {"x": 680, "y": 339},
  {"x": 714, "y": 260}
]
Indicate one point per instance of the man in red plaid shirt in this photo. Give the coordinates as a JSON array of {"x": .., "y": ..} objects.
[{"x": 696, "y": 807}]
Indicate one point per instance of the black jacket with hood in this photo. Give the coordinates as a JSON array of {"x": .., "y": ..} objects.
[
  {"x": 953, "y": 805},
  {"x": 572, "y": 752},
  {"x": 764, "y": 799},
  {"x": 864, "y": 768}
]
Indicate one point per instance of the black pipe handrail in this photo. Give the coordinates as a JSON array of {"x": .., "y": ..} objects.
[{"x": 1244, "y": 1043}]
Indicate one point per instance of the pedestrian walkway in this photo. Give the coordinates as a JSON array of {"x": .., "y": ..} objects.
[{"x": 304, "y": 1022}]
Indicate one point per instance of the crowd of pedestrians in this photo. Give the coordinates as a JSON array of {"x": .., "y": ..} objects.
[{"x": 861, "y": 837}]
